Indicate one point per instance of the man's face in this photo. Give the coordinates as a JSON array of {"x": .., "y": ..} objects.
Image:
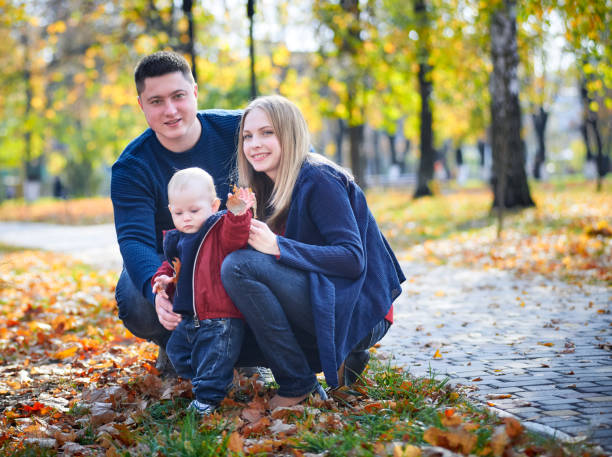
[{"x": 169, "y": 103}]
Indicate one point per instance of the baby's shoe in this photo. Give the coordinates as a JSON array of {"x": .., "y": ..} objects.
[{"x": 203, "y": 409}]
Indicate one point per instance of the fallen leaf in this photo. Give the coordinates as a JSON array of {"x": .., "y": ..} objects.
[
  {"x": 280, "y": 427},
  {"x": 499, "y": 441},
  {"x": 437, "y": 354},
  {"x": 406, "y": 450},
  {"x": 513, "y": 427},
  {"x": 64, "y": 354},
  {"x": 235, "y": 443},
  {"x": 455, "y": 440},
  {"x": 498, "y": 396}
]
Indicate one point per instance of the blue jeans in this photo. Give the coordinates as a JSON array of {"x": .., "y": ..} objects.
[
  {"x": 138, "y": 313},
  {"x": 275, "y": 301},
  {"x": 206, "y": 355}
]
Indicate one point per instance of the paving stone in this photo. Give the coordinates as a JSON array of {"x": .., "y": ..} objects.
[
  {"x": 607, "y": 398},
  {"x": 555, "y": 422},
  {"x": 577, "y": 430},
  {"x": 557, "y": 406},
  {"x": 562, "y": 412},
  {"x": 555, "y": 401},
  {"x": 543, "y": 387}
]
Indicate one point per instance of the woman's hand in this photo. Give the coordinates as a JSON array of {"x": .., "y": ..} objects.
[
  {"x": 168, "y": 318},
  {"x": 262, "y": 238}
]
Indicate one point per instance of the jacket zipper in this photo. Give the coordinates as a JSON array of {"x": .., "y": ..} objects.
[{"x": 196, "y": 321}]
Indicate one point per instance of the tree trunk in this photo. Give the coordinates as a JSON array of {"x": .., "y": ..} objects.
[
  {"x": 510, "y": 186},
  {"x": 188, "y": 10},
  {"x": 251, "y": 14},
  {"x": 339, "y": 138},
  {"x": 591, "y": 134},
  {"x": 540, "y": 119},
  {"x": 355, "y": 147},
  {"x": 426, "y": 163}
]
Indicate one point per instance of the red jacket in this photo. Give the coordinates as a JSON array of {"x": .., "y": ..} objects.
[{"x": 227, "y": 233}]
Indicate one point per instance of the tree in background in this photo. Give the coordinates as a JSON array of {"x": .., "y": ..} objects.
[
  {"x": 587, "y": 31},
  {"x": 346, "y": 70},
  {"x": 509, "y": 180},
  {"x": 510, "y": 185}
]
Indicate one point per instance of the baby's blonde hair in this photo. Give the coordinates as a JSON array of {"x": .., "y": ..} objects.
[{"x": 190, "y": 178}]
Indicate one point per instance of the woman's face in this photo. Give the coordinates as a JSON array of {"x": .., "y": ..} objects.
[{"x": 260, "y": 144}]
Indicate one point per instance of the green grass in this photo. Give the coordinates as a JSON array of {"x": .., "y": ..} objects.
[{"x": 390, "y": 409}]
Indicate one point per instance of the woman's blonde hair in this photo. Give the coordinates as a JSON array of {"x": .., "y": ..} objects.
[
  {"x": 292, "y": 132},
  {"x": 294, "y": 138},
  {"x": 189, "y": 178}
]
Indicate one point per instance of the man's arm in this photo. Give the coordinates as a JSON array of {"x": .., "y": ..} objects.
[{"x": 134, "y": 211}]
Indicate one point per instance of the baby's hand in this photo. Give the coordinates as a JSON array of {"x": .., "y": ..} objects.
[
  {"x": 240, "y": 201},
  {"x": 160, "y": 284}
]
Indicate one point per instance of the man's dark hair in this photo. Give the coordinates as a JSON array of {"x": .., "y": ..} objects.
[{"x": 159, "y": 64}]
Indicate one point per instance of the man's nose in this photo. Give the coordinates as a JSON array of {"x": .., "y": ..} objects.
[{"x": 170, "y": 108}]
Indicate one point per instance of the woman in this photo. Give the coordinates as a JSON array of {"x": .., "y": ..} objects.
[{"x": 317, "y": 287}]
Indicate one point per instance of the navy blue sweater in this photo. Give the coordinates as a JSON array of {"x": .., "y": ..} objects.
[
  {"x": 139, "y": 188},
  {"x": 354, "y": 275}
]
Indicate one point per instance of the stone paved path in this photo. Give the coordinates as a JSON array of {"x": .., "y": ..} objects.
[{"x": 534, "y": 348}]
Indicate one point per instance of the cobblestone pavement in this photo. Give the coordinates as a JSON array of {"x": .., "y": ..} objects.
[
  {"x": 538, "y": 349},
  {"x": 535, "y": 348}
]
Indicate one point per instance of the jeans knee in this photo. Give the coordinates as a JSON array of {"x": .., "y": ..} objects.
[{"x": 233, "y": 268}]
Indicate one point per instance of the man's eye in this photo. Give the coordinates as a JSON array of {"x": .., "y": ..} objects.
[{"x": 179, "y": 96}]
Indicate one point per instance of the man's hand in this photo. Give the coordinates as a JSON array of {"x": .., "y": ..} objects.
[{"x": 168, "y": 318}]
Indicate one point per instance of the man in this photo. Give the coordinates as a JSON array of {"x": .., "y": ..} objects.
[{"x": 179, "y": 137}]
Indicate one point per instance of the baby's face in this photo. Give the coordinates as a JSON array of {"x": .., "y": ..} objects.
[{"x": 190, "y": 208}]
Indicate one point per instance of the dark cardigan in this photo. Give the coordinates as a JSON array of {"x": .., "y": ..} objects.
[{"x": 354, "y": 275}]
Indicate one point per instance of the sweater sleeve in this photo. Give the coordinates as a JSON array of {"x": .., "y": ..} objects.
[
  {"x": 134, "y": 212},
  {"x": 329, "y": 211},
  {"x": 171, "y": 238},
  {"x": 235, "y": 231}
]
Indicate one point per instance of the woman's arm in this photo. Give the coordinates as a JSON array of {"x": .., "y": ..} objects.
[{"x": 328, "y": 218}]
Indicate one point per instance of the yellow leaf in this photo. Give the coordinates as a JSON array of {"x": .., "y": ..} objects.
[
  {"x": 408, "y": 450},
  {"x": 65, "y": 353}
]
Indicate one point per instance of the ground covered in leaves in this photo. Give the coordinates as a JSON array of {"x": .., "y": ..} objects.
[
  {"x": 567, "y": 235},
  {"x": 80, "y": 211},
  {"x": 73, "y": 381}
]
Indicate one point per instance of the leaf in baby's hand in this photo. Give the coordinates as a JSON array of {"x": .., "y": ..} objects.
[
  {"x": 240, "y": 200},
  {"x": 235, "y": 204},
  {"x": 176, "y": 264}
]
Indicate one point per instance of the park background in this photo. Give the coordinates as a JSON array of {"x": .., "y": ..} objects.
[{"x": 400, "y": 92}]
